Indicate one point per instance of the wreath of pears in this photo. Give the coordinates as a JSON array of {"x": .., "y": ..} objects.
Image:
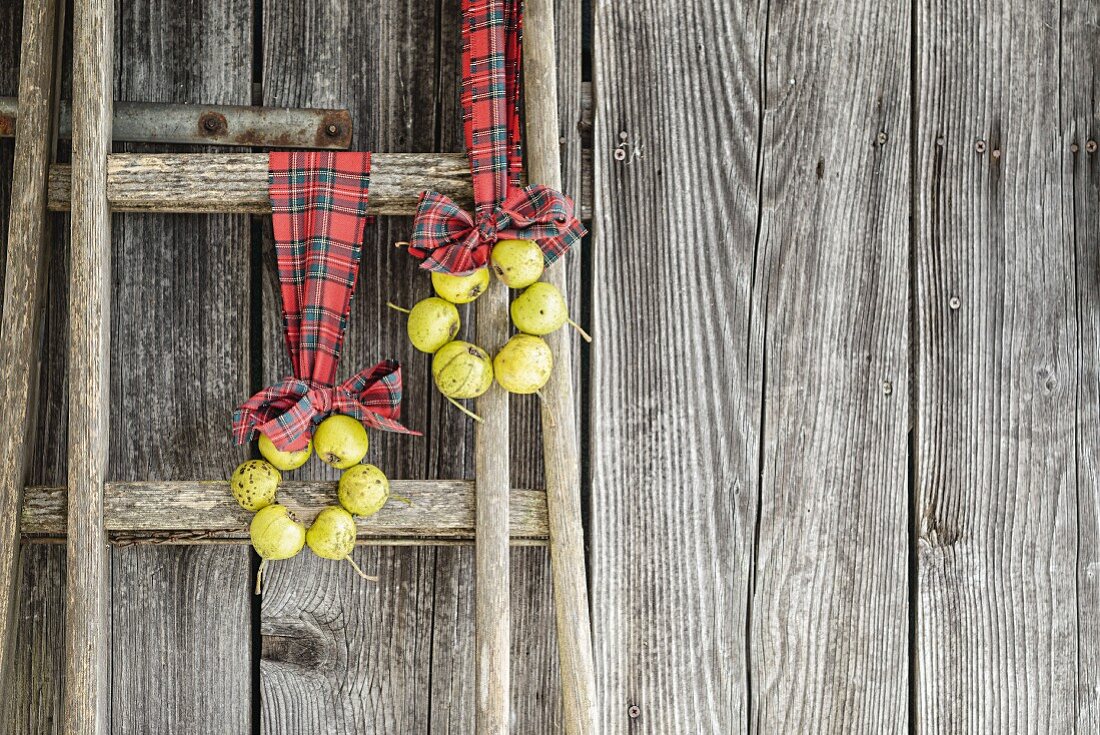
[
  {"x": 340, "y": 441},
  {"x": 462, "y": 370}
]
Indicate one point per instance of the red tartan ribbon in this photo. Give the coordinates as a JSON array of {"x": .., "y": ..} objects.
[
  {"x": 446, "y": 237},
  {"x": 319, "y": 212}
]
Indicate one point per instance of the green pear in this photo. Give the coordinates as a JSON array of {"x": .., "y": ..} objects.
[
  {"x": 517, "y": 263},
  {"x": 364, "y": 490},
  {"x": 460, "y": 289},
  {"x": 254, "y": 484},
  {"x": 341, "y": 441},
  {"x": 332, "y": 536},
  {"x": 285, "y": 461},
  {"x": 524, "y": 364},
  {"x": 541, "y": 310},
  {"x": 276, "y": 534},
  {"x": 433, "y": 322}
]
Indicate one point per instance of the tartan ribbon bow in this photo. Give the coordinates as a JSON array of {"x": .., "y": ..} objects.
[
  {"x": 318, "y": 218},
  {"x": 289, "y": 408},
  {"x": 448, "y": 238}
]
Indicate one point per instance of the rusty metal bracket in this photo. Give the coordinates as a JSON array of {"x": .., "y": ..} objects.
[{"x": 230, "y": 125}]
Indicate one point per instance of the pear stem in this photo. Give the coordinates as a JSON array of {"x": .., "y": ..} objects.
[
  {"x": 584, "y": 335},
  {"x": 402, "y": 244},
  {"x": 549, "y": 411},
  {"x": 359, "y": 571},
  {"x": 463, "y": 409},
  {"x": 403, "y": 310},
  {"x": 260, "y": 577},
  {"x": 401, "y": 498}
]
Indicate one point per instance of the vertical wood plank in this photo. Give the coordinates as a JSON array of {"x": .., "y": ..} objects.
[
  {"x": 1080, "y": 123},
  {"x": 26, "y": 256},
  {"x": 559, "y": 426},
  {"x": 86, "y": 605},
  {"x": 674, "y": 401},
  {"x": 999, "y": 371},
  {"x": 492, "y": 601},
  {"x": 340, "y": 654},
  {"x": 829, "y": 629},
  {"x": 181, "y": 651}
]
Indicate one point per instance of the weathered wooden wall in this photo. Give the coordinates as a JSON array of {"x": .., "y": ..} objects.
[{"x": 841, "y": 414}]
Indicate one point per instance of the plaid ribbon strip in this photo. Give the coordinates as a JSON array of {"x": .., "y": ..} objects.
[
  {"x": 319, "y": 212},
  {"x": 449, "y": 239}
]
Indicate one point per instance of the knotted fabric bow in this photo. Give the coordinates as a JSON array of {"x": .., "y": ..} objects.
[
  {"x": 319, "y": 212},
  {"x": 446, "y": 237}
]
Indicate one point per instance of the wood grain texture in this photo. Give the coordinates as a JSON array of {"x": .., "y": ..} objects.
[
  {"x": 375, "y": 672},
  {"x": 440, "y": 509},
  {"x": 87, "y": 588},
  {"x": 237, "y": 182},
  {"x": 1005, "y": 359},
  {"x": 676, "y": 368},
  {"x": 26, "y": 257},
  {"x": 559, "y": 425},
  {"x": 401, "y": 84},
  {"x": 181, "y": 639},
  {"x": 492, "y": 599},
  {"x": 1080, "y": 113},
  {"x": 828, "y": 630}
]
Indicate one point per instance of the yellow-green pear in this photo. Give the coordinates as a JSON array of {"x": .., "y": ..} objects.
[
  {"x": 517, "y": 263},
  {"x": 460, "y": 289},
  {"x": 524, "y": 364},
  {"x": 341, "y": 441},
  {"x": 281, "y": 460}
]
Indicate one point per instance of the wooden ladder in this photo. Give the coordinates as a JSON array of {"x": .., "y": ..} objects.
[{"x": 89, "y": 508}]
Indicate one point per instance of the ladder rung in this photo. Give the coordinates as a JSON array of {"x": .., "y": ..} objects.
[
  {"x": 237, "y": 182},
  {"x": 194, "y": 511},
  {"x": 233, "y": 125}
]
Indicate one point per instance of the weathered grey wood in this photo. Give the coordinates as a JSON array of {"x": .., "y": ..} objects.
[
  {"x": 87, "y": 591},
  {"x": 1080, "y": 105},
  {"x": 237, "y": 182},
  {"x": 559, "y": 426},
  {"x": 675, "y": 396},
  {"x": 233, "y": 125},
  {"x": 440, "y": 509},
  {"x": 376, "y": 670},
  {"x": 1005, "y": 360},
  {"x": 828, "y": 630},
  {"x": 24, "y": 288},
  {"x": 492, "y": 600},
  {"x": 180, "y": 363}
]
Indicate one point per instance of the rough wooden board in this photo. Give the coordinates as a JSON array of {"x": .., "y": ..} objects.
[
  {"x": 237, "y": 182},
  {"x": 1080, "y": 97},
  {"x": 179, "y": 365},
  {"x": 1000, "y": 375},
  {"x": 828, "y": 620},
  {"x": 673, "y": 403},
  {"x": 440, "y": 509},
  {"x": 375, "y": 675}
]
